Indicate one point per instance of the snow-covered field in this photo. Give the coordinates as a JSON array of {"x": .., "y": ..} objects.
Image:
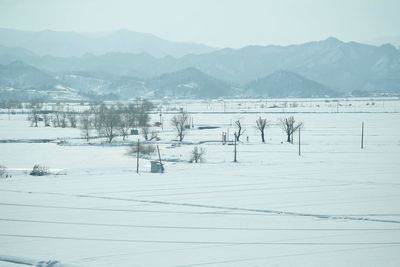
[{"x": 335, "y": 205}]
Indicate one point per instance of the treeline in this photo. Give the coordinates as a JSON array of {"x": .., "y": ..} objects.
[
  {"x": 9, "y": 104},
  {"x": 107, "y": 120}
]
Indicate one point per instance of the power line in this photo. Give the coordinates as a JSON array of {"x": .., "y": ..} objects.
[
  {"x": 202, "y": 242},
  {"x": 128, "y": 210},
  {"x": 278, "y": 256},
  {"x": 197, "y": 227}
]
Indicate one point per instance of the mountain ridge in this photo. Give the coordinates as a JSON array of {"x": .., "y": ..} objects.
[
  {"x": 341, "y": 66},
  {"x": 283, "y": 84},
  {"x": 69, "y": 43}
]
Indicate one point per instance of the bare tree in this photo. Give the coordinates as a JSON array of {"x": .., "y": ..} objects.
[
  {"x": 72, "y": 119},
  {"x": 56, "y": 118},
  {"x": 289, "y": 126},
  {"x": 197, "y": 154},
  {"x": 140, "y": 109},
  {"x": 124, "y": 125},
  {"x": 9, "y": 106},
  {"x": 124, "y": 121},
  {"x": 46, "y": 119},
  {"x": 240, "y": 131},
  {"x": 63, "y": 119},
  {"x": 34, "y": 116},
  {"x": 110, "y": 123},
  {"x": 85, "y": 124},
  {"x": 261, "y": 125},
  {"x": 180, "y": 122},
  {"x": 142, "y": 116},
  {"x": 94, "y": 111},
  {"x": 133, "y": 118},
  {"x": 99, "y": 112},
  {"x": 35, "y": 111},
  {"x": 149, "y": 135}
]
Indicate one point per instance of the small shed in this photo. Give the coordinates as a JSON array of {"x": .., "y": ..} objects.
[{"x": 156, "y": 167}]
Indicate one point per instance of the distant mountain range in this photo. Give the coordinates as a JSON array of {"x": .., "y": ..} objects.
[
  {"x": 123, "y": 68},
  {"x": 68, "y": 44},
  {"x": 188, "y": 82}
]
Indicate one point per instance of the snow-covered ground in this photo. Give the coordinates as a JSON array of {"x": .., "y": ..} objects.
[{"x": 335, "y": 205}]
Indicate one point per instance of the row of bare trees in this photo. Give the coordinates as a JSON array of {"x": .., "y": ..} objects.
[
  {"x": 115, "y": 120},
  {"x": 181, "y": 123},
  {"x": 60, "y": 116},
  {"x": 108, "y": 120},
  {"x": 288, "y": 125}
]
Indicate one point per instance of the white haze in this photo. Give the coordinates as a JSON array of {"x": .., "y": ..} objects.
[{"x": 222, "y": 23}]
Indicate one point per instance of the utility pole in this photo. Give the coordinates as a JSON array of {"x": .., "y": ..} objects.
[
  {"x": 159, "y": 157},
  {"x": 234, "y": 158},
  {"x": 299, "y": 142},
  {"x": 137, "y": 158},
  {"x": 362, "y": 135}
]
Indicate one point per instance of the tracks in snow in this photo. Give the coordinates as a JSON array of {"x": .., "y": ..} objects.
[{"x": 225, "y": 208}]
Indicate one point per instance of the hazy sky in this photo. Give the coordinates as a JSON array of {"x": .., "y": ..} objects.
[{"x": 221, "y": 23}]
